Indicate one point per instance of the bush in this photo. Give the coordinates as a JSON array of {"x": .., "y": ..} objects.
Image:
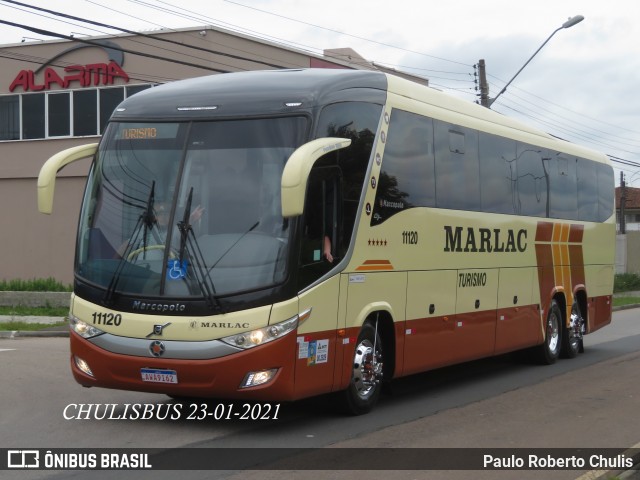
[
  {"x": 625, "y": 282},
  {"x": 35, "y": 285}
]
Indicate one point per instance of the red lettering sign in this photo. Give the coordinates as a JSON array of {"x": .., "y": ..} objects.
[{"x": 94, "y": 74}]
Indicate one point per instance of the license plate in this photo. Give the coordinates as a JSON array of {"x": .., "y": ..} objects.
[{"x": 159, "y": 376}]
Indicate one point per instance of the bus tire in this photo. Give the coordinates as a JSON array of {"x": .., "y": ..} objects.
[
  {"x": 549, "y": 351},
  {"x": 366, "y": 375},
  {"x": 572, "y": 343}
]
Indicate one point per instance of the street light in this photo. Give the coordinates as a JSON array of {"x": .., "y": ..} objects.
[{"x": 568, "y": 24}]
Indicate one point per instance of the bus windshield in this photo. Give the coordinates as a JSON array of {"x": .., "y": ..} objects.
[{"x": 187, "y": 209}]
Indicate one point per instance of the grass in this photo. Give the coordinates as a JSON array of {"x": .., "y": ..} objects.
[
  {"x": 22, "y": 311},
  {"x": 34, "y": 285},
  {"x": 626, "y": 282},
  {"x": 27, "y": 326},
  {"x": 622, "y": 301}
]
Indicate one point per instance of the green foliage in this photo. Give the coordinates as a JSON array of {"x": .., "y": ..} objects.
[
  {"x": 623, "y": 301},
  {"x": 35, "y": 285},
  {"x": 22, "y": 311},
  {"x": 626, "y": 282},
  {"x": 27, "y": 326}
]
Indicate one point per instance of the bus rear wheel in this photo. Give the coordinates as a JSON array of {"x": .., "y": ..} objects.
[
  {"x": 572, "y": 343},
  {"x": 549, "y": 351},
  {"x": 366, "y": 376}
]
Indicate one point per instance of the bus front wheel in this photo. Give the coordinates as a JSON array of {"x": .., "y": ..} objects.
[{"x": 366, "y": 376}]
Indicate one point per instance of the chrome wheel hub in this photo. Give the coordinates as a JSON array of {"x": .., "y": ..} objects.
[
  {"x": 367, "y": 369},
  {"x": 553, "y": 336},
  {"x": 576, "y": 327}
]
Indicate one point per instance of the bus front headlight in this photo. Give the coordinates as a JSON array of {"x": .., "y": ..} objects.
[
  {"x": 83, "y": 329},
  {"x": 261, "y": 336}
]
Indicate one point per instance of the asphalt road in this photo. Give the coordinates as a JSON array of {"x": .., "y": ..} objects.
[{"x": 587, "y": 402}]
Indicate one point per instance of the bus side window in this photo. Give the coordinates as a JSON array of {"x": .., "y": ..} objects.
[{"x": 321, "y": 224}]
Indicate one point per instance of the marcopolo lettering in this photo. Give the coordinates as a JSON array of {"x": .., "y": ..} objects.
[
  {"x": 484, "y": 240},
  {"x": 159, "y": 307}
]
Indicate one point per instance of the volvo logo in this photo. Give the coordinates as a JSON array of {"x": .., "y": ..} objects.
[
  {"x": 156, "y": 348},
  {"x": 157, "y": 329}
]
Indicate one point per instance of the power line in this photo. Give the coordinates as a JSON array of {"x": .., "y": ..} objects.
[
  {"x": 224, "y": 25},
  {"x": 236, "y": 29},
  {"x": 191, "y": 15},
  {"x": 159, "y": 39},
  {"x": 568, "y": 109},
  {"x": 48, "y": 33},
  {"x": 383, "y": 44},
  {"x": 103, "y": 32},
  {"x": 568, "y": 128},
  {"x": 622, "y": 140}
]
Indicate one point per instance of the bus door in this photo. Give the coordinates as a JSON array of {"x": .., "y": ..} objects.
[
  {"x": 320, "y": 242},
  {"x": 518, "y": 324},
  {"x": 430, "y": 332},
  {"x": 475, "y": 321}
]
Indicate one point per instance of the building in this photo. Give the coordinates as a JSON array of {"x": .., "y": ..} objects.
[
  {"x": 631, "y": 209},
  {"x": 628, "y": 243},
  {"x": 58, "y": 94}
]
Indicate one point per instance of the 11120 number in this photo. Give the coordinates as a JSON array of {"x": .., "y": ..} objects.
[{"x": 410, "y": 237}]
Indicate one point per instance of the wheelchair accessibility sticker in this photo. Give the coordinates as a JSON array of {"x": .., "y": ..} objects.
[{"x": 176, "y": 270}]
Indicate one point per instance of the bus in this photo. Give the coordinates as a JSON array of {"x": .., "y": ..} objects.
[{"x": 275, "y": 235}]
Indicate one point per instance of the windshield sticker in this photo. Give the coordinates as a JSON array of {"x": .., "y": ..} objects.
[{"x": 176, "y": 270}]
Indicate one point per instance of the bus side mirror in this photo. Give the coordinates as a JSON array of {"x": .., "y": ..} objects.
[
  {"x": 296, "y": 172},
  {"x": 48, "y": 172}
]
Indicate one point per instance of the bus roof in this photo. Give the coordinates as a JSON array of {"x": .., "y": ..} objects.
[{"x": 252, "y": 93}]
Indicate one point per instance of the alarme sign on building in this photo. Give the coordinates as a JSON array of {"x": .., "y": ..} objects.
[
  {"x": 94, "y": 74},
  {"x": 47, "y": 77}
]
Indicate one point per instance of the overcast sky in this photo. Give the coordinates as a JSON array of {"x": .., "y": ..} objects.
[{"x": 581, "y": 86}]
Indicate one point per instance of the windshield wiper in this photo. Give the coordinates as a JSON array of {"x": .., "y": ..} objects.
[
  {"x": 145, "y": 223},
  {"x": 189, "y": 244}
]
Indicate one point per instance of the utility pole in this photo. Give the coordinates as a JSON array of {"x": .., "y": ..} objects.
[
  {"x": 568, "y": 24},
  {"x": 484, "y": 86},
  {"x": 623, "y": 201}
]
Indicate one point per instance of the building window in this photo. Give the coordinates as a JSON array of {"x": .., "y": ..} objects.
[
  {"x": 10, "y": 117},
  {"x": 58, "y": 114},
  {"x": 85, "y": 113},
  {"x": 68, "y": 113},
  {"x": 110, "y": 98},
  {"x": 33, "y": 116}
]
